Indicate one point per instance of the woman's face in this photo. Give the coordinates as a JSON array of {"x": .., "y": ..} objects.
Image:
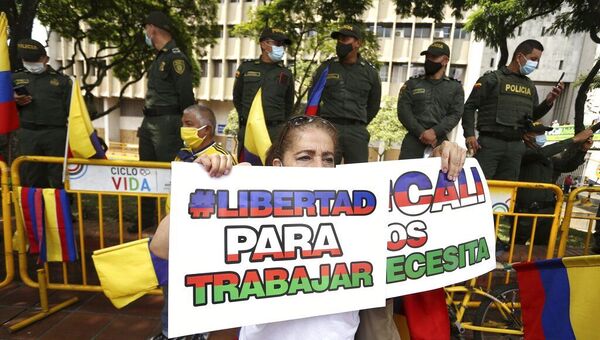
[{"x": 311, "y": 148}]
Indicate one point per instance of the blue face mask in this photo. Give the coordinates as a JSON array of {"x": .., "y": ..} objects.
[
  {"x": 529, "y": 67},
  {"x": 148, "y": 40},
  {"x": 540, "y": 140},
  {"x": 277, "y": 53}
]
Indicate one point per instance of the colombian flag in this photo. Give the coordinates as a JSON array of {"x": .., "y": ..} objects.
[
  {"x": 9, "y": 119},
  {"x": 46, "y": 216},
  {"x": 256, "y": 141},
  {"x": 314, "y": 98},
  {"x": 83, "y": 140},
  {"x": 560, "y": 298},
  {"x": 128, "y": 271}
]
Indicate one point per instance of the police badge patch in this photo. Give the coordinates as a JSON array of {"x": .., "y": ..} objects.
[
  {"x": 179, "y": 66},
  {"x": 54, "y": 82}
]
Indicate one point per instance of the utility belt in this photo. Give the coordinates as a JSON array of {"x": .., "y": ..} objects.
[
  {"x": 162, "y": 111},
  {"x": 34, "y": 126},
  {"x": 508, "y": 135},
  {"x": 269, "y": 123},
  {"x": 345, "y": 121}
]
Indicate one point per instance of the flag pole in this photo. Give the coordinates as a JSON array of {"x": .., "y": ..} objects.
[{"x": 64, "y": 174}]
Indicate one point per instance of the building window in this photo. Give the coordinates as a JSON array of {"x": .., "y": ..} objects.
[
  {"x": 383, "y": 72},
  {"x": 457, "y": 72},
  {"x": 519, "y": 31},
  {"x": 416, "y": 70},
  {"x": 370, "y": 27},
  {"x": 423, "y": 31},
  {"x": 403, "y": 30},
  {"x": 442, "y": 31},
  {"x": 217, "y": 68},
  {"x": 492, "y": 62},
  {"x": 233, "y": 1},
  {"x": 203, "y": 68},
  {"x": 384, "y": 30},
  {"x": 399, "y": 72},
  {"x": 230, "y": 30},
  {"x": 461, "y": 33},
  {"x": 560, "y": 65},
  {"x": 231, "y": 68}
]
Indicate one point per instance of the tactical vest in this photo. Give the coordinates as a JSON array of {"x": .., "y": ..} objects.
[{"x": 512, "y": 103}]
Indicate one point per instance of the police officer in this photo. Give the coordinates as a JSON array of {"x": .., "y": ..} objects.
[
  {"x": 431, "y": 105},
  {"x": 505, "y": 100},
  {"x": 169, "y": 92},
  {"x": 544, "y": 164},
  {"x": 351, "y": 97},
  {"x": 42, "y": 96},
  {"x": 276, "y": 80}
]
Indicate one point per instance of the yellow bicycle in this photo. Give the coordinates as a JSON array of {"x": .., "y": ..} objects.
[{"x": 498, "y": 313}]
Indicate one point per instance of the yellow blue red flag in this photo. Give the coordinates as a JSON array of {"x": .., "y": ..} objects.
[
  {"x": 256, "y": 140},
  {"x": 83, "y": 139},
  {"x": 9, "y": 119}
]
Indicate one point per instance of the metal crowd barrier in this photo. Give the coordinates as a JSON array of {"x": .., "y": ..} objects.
[
  {"x": 9, "y": 266},
  {"x": 509, "y": 217},
  {"x": 567, "y": 224}
]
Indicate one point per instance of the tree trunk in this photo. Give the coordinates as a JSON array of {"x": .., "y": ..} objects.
[
  {"x": 583, "y": 90},
  {"x": 20, "y": 28},
  {"x": 503, "y": 53}
]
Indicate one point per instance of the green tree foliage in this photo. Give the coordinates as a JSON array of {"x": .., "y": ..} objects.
[
  {"x": 115, "y": 26},
  {"x": 431, "y": 8},
  {"x": 386, "y": 127},
  {"x": 576, "y": 17},
  {"x": 309, "y": 24}
]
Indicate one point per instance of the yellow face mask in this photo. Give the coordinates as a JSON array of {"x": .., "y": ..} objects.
[{"x": 190, "y": 138}]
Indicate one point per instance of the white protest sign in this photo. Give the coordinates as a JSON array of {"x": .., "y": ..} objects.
[
  {"x": 438, "y": 232},
  {"x": 267, "y": 244},
  {"x": 107, "y": 178}
]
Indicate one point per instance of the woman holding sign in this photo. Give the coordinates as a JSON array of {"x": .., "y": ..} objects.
[{"x": 305, "y": 141}]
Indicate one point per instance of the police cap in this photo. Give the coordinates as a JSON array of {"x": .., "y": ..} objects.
[
  {"x": 275, "y": 34},
  {"x": 348, "y": 30},
  {"x": 160, "y": 20},
  {"x": 30, "y": 50},
  {"x": 437, "y": 48}
]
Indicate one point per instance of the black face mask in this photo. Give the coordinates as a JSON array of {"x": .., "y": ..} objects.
[
  {"x": 342, "y": 50},
  {"x": 431, "y": 67}
]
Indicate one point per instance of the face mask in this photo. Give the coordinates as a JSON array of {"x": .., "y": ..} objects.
[
  {"x": 277, "y": 53},
  {"x": 148, "y": 40},
  {"x": 540, "y": 140},
  {"x": 431, "y": 67},
  {"x": 529, "y": 67},
  {"x": 36, "y": 68},
  {"x": 342, "y": 50},
  {"x": 190, "y": 138}
]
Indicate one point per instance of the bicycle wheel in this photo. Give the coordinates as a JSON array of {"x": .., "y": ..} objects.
[{"x": 490, "y": 315}]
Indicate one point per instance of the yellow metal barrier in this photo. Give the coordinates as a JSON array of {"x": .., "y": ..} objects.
[
  {"x": 63, "y": 280},
  {"x": 9, "y": 264},
  {"x": 514, "y": 250},
  {"x": 569, "y": 216}
]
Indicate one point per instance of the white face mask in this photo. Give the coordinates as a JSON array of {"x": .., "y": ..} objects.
[{"x": 35, "y": 68}]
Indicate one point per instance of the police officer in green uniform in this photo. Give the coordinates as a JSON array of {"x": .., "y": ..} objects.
[
  {"x": 505, "y": 100},
  {"x": 276, "y": 80},
  {"x": 431, "y": 105},
  {"x": 42, "y": 96},
  {"x": 351, "y": 96},
  {"x": 169, "y": 92}
]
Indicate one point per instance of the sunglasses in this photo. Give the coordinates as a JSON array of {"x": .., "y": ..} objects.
[{"x": 300, "y": 121}]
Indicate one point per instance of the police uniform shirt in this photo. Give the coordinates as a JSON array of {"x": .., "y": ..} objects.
[
  {"x": 277, "y": 85},
  {"x": 170, "y": 79},
  {"x": 430, "y": 104},
  {"x": 496, "y": 93},
  {"x": 351, "y": 92},
  {"x": 50, "y": 92}
]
